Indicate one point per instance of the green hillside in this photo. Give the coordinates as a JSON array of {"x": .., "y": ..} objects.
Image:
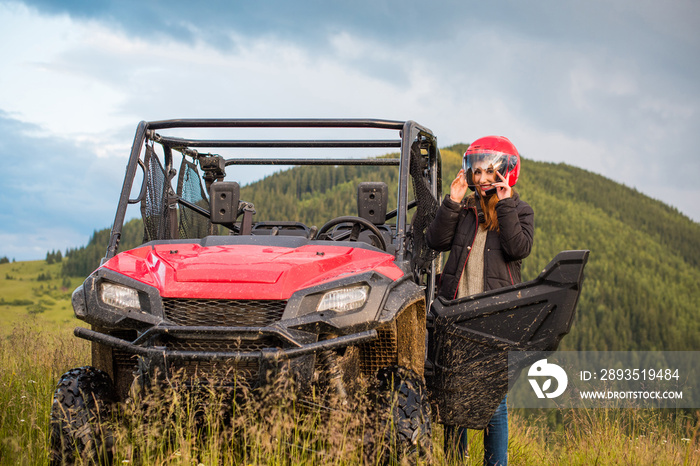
[
  {"x": 35, "y": 290},
  {"x": 642, "y": 288}
]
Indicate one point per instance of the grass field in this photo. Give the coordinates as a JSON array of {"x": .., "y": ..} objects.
[
  {"x": 35, "y": 290},
  {"x": 37, "y": 346}
]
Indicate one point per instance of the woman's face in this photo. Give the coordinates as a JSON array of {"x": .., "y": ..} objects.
[{"x": 484, "y": 174}]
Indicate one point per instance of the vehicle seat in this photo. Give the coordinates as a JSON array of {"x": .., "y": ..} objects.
[{"x": 280, "y": 228}]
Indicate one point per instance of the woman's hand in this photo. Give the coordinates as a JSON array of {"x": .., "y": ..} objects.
[
  {"x": 503, "y": 191},
  {"x": 459, "y": 187}
]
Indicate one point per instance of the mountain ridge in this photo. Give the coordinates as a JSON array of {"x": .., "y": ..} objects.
[{"x": 642, "y": 286}]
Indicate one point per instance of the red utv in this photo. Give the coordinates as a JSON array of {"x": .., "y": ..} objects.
[{"x": 216, "y": 290}]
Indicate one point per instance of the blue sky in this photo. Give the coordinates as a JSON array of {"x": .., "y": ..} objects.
[{"x": 609, "y": 86}]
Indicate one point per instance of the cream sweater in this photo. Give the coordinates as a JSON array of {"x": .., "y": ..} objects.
[{"x": 472, "y": 280}]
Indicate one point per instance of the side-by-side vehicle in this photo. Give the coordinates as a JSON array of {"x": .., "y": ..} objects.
[{"x": 223, "y": 289}]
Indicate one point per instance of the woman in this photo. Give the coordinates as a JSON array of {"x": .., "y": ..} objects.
[{"x": 487, "y": 234}]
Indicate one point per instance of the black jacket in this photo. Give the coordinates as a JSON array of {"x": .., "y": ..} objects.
[{"x": 454, "y": 229}]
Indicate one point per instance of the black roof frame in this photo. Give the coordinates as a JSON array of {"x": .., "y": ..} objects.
[{"x": 409, "y": 131}]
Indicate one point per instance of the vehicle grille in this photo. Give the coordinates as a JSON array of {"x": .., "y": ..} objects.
[
  {"x": 223, "y": 312},
  {"x": 246, "y": 370},
  {"x": 239, "y": 344},
  {"x": 381, "y": 352},
  {"x": 124, "y": 363}
]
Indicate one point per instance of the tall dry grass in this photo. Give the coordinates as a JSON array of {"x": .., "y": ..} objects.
[
  {"x": 33, "y": 355},
  {"x": 606, "y": 436},
  {"x": 172, "y": 425}
]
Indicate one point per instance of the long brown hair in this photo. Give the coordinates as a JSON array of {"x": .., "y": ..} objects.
[{"x": 488, "y": 207}]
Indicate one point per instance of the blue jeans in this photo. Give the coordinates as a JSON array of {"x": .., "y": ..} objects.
[{"x": 495, "y": 438}]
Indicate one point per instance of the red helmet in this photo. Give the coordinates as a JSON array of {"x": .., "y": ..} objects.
[{"x": 496, "y": 151}]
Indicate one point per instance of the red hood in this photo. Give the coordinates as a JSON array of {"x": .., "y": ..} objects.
[{"x": 245, "y": 271}]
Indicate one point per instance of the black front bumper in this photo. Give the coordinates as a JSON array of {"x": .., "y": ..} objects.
[
  {"x": 139, "y": 346},
  {"x": 263, "y": 359}
]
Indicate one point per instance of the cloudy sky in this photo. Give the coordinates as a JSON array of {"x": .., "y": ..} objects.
[{"x": 607, "y": 85}]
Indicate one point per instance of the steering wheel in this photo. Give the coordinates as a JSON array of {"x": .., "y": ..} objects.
[{"x": 358, "y": 223}]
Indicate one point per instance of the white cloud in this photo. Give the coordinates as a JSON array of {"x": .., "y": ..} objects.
[
  {"x": 560, "y": 95},
  {"x": 590, "y": 82},
  {"x": 39, "y": 86}
]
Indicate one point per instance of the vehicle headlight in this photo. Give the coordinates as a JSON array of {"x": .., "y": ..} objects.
[
  {"x": 119, "y": 296},
  {"x": 344, "y": 299}
]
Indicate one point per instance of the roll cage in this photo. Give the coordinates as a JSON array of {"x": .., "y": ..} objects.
[{"x": 418, "y": 167}]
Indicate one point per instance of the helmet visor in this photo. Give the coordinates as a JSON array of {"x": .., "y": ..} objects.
[{"x": 484, "y": 161}]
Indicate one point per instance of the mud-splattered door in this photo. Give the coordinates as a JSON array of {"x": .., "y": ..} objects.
[{"x": 470, "y": 338}]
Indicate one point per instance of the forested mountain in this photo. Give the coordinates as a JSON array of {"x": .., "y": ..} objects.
[
  {"x": 80, "y": 262},
  {"x": 642, "y": 286}
]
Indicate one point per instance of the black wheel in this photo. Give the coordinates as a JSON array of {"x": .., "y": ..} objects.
[
  {"x": 81, "y": 404},
  {"x": 402, "y": 421},
  {"x": 356, "y": 221}
]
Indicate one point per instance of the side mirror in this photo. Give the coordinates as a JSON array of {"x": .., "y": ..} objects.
[{"x": 223, "y": 200}]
